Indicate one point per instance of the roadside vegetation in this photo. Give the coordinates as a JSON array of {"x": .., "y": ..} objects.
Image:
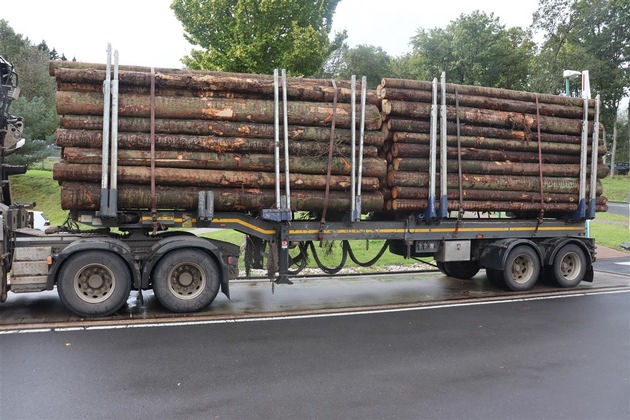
[{"x": 616, "y": 189}]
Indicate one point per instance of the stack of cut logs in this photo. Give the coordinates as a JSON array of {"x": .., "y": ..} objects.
[
  {"x": 504, "y": 166},
  {"x": 213, "y": 131}
]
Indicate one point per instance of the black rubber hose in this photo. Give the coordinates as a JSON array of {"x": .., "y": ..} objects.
[
  {"x": 346, "y": 244},
  {"x": 329, "y": 270}
]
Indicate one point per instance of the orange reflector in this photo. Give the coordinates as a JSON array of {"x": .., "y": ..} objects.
[{"x": 49, "y": 260}]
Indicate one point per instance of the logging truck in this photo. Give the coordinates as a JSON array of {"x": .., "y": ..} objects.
[{"x": 134, "y": 241}]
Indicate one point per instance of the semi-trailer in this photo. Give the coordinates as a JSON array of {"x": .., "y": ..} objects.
[{"x": 135, "y": 202}]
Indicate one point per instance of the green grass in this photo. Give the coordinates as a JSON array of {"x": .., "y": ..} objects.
[
  {"x": 617, "y": 188},
  {"x": 610, "y": 230},
  {"x": 38, "y": 186}
]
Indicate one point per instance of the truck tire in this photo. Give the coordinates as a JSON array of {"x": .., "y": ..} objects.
[
  {"x": 463, "y": 270},
  {"x": 186, "y": 280},
  {"x": 440, "y": 265},
  {"x": 522, "y": 268},
  {"x": 94, "y": 283},
  {"x": 569, "y": 266}
]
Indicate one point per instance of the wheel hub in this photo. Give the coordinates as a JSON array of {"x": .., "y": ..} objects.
[
  {"x": 187, "y": 280},
  {"x": 569, "y": 266},
  {"x": 94, "y": 283},
  {"x": 522, "y": 269}
]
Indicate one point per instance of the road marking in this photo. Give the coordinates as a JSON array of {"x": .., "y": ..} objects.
[
  {"x": 302, "y": 316},
  {"x": 623, "y": 263}
]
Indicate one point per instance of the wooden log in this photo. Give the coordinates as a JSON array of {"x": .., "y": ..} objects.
[
  {"x": 411, "y": 150},
  {"x": 420, "y": 193},
  {"x": 205, "y": 177},
  {"x": 86, "y": 196},
  {"x": 496, "y": 167},
  {"x": 395, "y": 125},
  {"x": 142, "y": 141},
  {"x": 219, "y": 128},
  {"x": 372, "y": 167},
  {"x": 259, "y": 111},
  {"x": 262, "y": 87},
  {"x": 491, "y": 182},
  {"x": 492, "y": 206},
  {"x": 477, "y": 116},
  {"x": 485, "y": 102},
  {"x": 486, "y": 91},
  {"x": 53, "y": 65},
  {"x": 498, "y": 144},
  {"x": 165, "y": 91}
]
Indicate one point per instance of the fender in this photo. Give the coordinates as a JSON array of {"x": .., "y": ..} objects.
[
  {"x": 495, "y": 254},
  {"x": 552, "y": 247},
  {"x": 159, "y": 249},
  {"x": 100, "y": 244},
  {"x": 587, "y": 245}
]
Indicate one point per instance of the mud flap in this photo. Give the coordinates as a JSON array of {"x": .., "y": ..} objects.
[
  {"x": 4, "y": 287},
  {"x": 588, "y": 276}
]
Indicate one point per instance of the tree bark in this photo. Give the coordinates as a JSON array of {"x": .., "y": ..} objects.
[
  {"x": 219, "y": 128},
  {"x": 241, "y": 110},
  {"x": 372, "y": 167},
  {"x": 205, "y": 177},
  {"x": 86, "y": 196},
  {"x": 486, "y": 91},
  {"x": 142, "y": 141},
  {"x": 480, "y": 142},
  {"x": 495, "y": 167},
  {"x": 420, "y": 193},
  {"x": 410, "y": 150},
  {"x": 477, "y": 116},
  {"x": 491, "y": 182},
  {"x": 492, "y": 206},
  {"x": 395, "y": 125},
  {"x": 485, "y": 102},
  {"x": 297, "y": 89}
]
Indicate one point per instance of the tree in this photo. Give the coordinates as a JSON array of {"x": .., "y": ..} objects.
[
  {"x": 589, "y": 35},
  {"x": 252, "y": 36},
  {"x": 475, "y": 49},
  {"x": 364, "y": 60},
  {"x": 37, "y": 95},
  {"x": 406, "y": 66}
]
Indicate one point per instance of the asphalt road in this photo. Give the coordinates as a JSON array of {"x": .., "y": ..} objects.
[
  {"x": 561, "y": 358},
  {"x": 618, "y": 208}
]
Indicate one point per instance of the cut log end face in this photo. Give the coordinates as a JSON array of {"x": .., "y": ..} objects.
[{"x": 218, "y": 113}]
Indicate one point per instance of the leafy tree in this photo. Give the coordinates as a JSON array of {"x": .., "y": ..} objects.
[
  {"x": 475, "y": 49},
  {"x": 406, "y": 66},
  {"x": 364, "y": 60},
  {"x": 585, "y": 34},
  {"x": 252, "y": 36},
  {"x": 37, "y": 95}
]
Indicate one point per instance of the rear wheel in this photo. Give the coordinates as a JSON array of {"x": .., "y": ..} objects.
[
  {"x": 442, "y": 267},
  {"x": 522, "y": 268},
  {"x": 569, "y": 266},
  {"x": 94, "y": 283},
  {"x": 461, "y": 269},
  {"x": 186, "y": 280}
]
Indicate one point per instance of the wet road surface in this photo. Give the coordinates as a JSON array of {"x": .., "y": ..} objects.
[
  {"x": 547, "y": 358},
  {"x": 252, "y": 299}
]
